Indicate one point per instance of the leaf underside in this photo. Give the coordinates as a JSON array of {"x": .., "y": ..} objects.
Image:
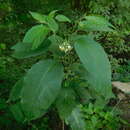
[{"x": 75, "y": 120}]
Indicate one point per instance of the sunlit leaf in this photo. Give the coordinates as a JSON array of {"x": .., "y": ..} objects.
[
  {"x": 36, "y": 35},
  {"x": 62, "y": 18},
  {"x": 53, "y": 13},
  {"x": 39, "y": 17},
  {"x": 95, "y": 23}
]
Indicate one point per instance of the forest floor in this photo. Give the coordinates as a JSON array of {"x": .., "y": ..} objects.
[{"x": 122, "y": 91}]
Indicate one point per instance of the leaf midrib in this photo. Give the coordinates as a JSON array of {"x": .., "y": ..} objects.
[{"x": 44, "y": 75}]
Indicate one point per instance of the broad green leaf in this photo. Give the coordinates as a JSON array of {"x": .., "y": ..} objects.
[
  {"x": 15, "y": 92},
  {"x": 36, "y": 35},
  {"x": 62, "y": 18},
  {"x": 95, "y": 60},
  {"x": 41, "y": 87},
  {"x": 17, "y": 112},
  {"x": 95, "y": 23},
  {"x": 39, "y": 17},
  {"x": 66, "y": 103},
  {"x": 53, "y": 13},
  {"x": 46, "y": 19},
  {"x": 52, "y": 24},
  {"x": 23, "y": 50},
  {"x": 76, "y": 121}
]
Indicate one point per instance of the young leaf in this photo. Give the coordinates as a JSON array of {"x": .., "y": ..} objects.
[
  {"x": 62, "y": 18},
  {"x": 76, "y": 121},
  {"x": 53, "y": 13},
  {"x": 96, "y": 63},
  {"x": 52, "y": 24},
  {"x": 23, "y": 50},
  {"x": 66, "y": 103},
  {"x": 95, "y": 23},
  {"x": 39, "y": 17},
  {"x": 41, "y": 87},
  {"x": 36, "y": 35}
]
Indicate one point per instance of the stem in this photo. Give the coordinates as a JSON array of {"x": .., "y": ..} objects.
[{"x": 63, "y": 125}]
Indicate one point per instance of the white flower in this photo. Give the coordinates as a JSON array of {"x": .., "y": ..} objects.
[{"x": 65, "y": 46}]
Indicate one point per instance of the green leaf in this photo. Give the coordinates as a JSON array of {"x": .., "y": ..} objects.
[
  {"x": 66, "y": 103},
  {"x": 2, "y": 46},
  {"x": 56, "y": 42},
  {"x": 41, "y": 87},
  {"x": 39, "y": 17},
  {"x": 23, "y": 50},
  {"x": 52, "y": 24},
  {"x": 15, "y": 92},
  {"x": 17, "y": 112},
  {"x": 62, "y": 18},
  {"x": 84, "y": 94},
  {"x": 46, "y": 19},
  {"x": 36, "y": 35},
  {"x": 95, "y": 23},
  {"x": 75, "y": 120},
  {"x": 3, "y": 104},
  {"x": 94, "y": 120},
  {"x": 15, "y": 97},
  {"x": 53, "y": 13},
  {"x": 79, "y": 70},
  {"x": 95, "y": 60}
]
